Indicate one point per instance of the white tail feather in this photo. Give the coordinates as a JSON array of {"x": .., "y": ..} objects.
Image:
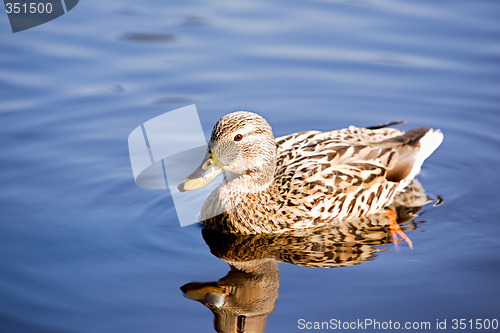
[{"x": 428, "y": 144}]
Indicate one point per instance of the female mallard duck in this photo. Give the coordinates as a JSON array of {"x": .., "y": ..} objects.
[{"x": 304, "y": 179}]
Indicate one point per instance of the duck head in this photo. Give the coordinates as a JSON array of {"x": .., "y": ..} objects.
[{"x": 242, "y": 144}]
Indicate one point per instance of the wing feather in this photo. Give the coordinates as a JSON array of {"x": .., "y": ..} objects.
[{"x": 323, "y": 173}]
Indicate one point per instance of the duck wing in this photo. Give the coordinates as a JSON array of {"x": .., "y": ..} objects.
[{"x": 345, "y": 174}]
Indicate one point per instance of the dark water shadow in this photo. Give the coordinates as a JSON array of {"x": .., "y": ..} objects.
[
  {"x": 147, "y": 37},
  {"x": 194, "y": 21},
  {"x": 242, "y": 300}
]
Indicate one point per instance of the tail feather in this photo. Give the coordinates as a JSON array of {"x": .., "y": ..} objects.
[
  {"x": 428, "y": 144},
  {"x": 413, "y": 148}
]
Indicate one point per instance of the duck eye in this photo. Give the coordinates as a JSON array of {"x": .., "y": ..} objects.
[
  {"x": 208, "y": 164},
  {"x": 238, "y": 137}
]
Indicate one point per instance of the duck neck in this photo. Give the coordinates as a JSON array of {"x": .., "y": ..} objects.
[
  {"x": 252, "y": 182},
  {"x": 248, "y": 204}
]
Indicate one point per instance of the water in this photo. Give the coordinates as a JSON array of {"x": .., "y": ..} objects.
[{"x": 85, "y": 250}]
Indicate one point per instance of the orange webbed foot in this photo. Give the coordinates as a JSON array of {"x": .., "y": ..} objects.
[{"x": 396, "y": 230}]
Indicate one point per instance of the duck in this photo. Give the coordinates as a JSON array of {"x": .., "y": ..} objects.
[{"x": 306, "y": 179}]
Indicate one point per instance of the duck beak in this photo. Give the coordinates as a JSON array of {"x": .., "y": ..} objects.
[
  {"x": 198, "y": 290},
  {"x": 208, "y": 170},
  {"x": 209, "y": 294}
]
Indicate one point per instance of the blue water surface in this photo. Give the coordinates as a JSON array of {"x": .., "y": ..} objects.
[{"x": 83, "y": 249}]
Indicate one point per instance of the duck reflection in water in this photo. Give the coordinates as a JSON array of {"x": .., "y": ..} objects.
[{"x": 243, "y": 299}]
